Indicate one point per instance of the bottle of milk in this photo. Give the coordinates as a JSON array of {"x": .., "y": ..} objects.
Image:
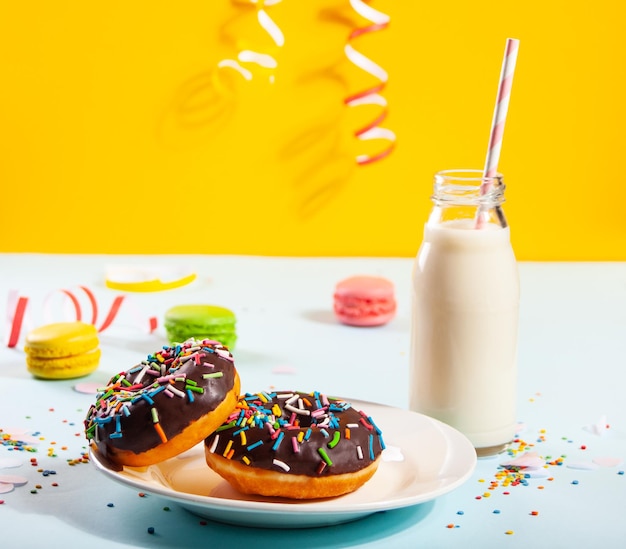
[{"x": 465, "y": 312}]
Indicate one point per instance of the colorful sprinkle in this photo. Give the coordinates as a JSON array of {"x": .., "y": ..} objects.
[
  {"x": 281, "y": 464},
  {"x": 255, "y": 445},
  {"x": 325, "y": 457},
  {"x": 335, "y": 440}
]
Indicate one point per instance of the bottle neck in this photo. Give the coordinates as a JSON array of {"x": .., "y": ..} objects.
[{"x": 466, "y": 195}]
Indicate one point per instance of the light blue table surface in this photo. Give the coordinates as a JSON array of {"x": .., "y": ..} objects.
[{"x": 572, "y": 375}]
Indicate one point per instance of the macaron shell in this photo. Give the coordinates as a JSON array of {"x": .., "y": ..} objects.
[
  {"x": 200, "y": 322},
  {"x": 365, "y": 312},
  {"x": 199, "y": 315},
  {"x": 364, "y": 301},
  {"x": 180, "y": 335},
  {"x": 61, "y": 339},
  {"x": 365, "y": 287},
  {"x": 64, "y": 367}
]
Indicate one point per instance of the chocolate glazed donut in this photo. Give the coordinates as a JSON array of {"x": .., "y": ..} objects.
[
  {"x": 165, "y": 405},
  {"x": 296, "y": 445}
]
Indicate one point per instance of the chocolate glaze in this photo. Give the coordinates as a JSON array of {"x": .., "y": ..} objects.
[
  {"x": 344, "y": 454},
  {"x": 140, "y": 393}
]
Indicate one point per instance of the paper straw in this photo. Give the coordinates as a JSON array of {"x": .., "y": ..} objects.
[
  {"x": 498, "y": 121},
  {"x": 501, "y": 109}
]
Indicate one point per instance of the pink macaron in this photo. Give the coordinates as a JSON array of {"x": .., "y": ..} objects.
[{"x": 364, "y": 301}]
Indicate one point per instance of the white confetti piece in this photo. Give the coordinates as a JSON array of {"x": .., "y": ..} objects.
[
  {"x": 8, "y": 463},
  {"x": 606, "y": 461},
  {"x": 599, "y": 428},
  {"x": 392, "y": 453},
  {"x": 582, "y": 465}
]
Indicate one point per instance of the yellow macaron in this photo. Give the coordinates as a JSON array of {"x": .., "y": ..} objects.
[{"x": 62, "y": 350}]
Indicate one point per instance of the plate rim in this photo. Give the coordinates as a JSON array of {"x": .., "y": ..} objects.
[{"x": 317, "y": 507}]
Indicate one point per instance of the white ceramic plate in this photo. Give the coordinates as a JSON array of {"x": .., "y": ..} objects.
[{"x": 423, "y": 460}]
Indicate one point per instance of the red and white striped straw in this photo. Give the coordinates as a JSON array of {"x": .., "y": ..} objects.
[{"x": 501, "y": 109}]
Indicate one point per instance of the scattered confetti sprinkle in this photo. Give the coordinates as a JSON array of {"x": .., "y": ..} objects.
[{"x": 18, "y": 439}]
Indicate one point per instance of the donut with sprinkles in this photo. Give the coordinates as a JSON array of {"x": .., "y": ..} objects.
[
  {"x": 295, "y": 445},
  {"x": 164, "y": 405}
]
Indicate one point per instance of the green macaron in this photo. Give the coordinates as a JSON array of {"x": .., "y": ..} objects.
[{"x": 201, "y": 322}]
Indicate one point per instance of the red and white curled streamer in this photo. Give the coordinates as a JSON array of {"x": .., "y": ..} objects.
[
  {"x": 371, "y": 95},
  {"x": 17, "y": 311}
]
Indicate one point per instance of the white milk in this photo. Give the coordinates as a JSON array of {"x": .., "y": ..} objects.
[{"x": 464, "y": 331}]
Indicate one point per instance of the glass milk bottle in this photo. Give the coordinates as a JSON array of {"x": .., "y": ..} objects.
[{"x": 465, "y": 312}]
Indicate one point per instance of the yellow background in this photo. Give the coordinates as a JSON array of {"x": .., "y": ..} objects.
[{"x": 120, "y": 135}]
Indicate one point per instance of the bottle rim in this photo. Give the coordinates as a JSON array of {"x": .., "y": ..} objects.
[
  {"x": 468, "y": 187},
  {"x": 468, "y": 175}
]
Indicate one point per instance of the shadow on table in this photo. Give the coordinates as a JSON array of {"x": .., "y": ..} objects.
[
  {"x": 366, "y": 530},
  {"x": 327, "y": 316},
  {"x": 323, "y": 316},
  {"x": 85, "y": 501}
]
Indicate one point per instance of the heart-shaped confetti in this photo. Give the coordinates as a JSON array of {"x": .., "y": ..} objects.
[
  {"x": 88, "y": 388},
  {"x": 606, "y": 461}
]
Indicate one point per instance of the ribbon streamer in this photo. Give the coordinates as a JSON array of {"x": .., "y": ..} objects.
[
  {"x": 250, "y": 58},
  {"x": 371, "y": 95},
  {"x": 17, "y": 309}
]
